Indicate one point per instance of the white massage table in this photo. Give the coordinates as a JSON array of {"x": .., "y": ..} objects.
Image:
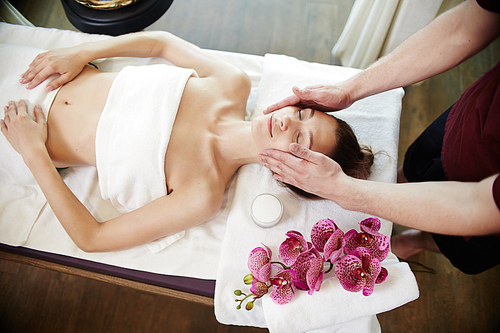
[{"x": 214, "y": 255}]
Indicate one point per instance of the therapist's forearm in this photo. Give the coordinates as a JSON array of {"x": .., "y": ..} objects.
[
  {"x": 447, "y": 41},
  {"x": 454, "y": 208}
]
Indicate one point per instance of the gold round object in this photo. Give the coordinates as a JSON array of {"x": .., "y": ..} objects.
[{"x": 105, "y": 4}]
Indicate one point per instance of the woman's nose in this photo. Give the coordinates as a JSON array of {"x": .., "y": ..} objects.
[{"x": 285, "y": 122}]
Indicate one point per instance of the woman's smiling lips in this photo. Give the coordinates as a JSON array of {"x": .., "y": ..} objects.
[{"x": 270, "y": 123}]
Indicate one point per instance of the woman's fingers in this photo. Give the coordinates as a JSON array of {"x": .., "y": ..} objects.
[
  {"x": 39, "y": 115},
  {"x": 43, "y": 66},
  {"x": 56, "y": 83},
  {"x": 33, "y": 69},
  {"x": 22, "y": 109},
  {"x": 10, "y": 110},
  {"x": 24, "y": 133},
  {"x": 37, "y": 76}
]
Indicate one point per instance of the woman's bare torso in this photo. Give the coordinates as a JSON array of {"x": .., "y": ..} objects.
[{"x": 77, "y": 107}]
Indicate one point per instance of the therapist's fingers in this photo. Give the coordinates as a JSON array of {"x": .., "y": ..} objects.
[
  {"x": 325, "y": 98},
  {"x": 310, "y": 171},
  {"x": 286, "y": 167},
  {"x": 305, "y": 153},
  {"x": 288, "y": 101}
]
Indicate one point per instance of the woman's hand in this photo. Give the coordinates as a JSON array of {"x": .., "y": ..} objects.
[
  {"x": 67, "y": 62},
  {"x": 24, "y": 134},
  {"x": 320, "y": 97},
  {"x": 311, "y": 171}
]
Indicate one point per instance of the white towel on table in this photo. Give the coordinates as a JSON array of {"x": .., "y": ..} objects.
[
  {"x": 194, "y": 255},
  {"x": 376, "y": 123},
  {"x": 20, "y": 197}
]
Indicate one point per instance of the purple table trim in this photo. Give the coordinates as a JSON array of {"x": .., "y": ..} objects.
[{"x": 191, "y": 285}]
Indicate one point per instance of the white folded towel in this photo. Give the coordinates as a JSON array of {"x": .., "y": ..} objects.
[
  {"x": 133, "y": 134},
  {"x": 376, "y": 123}
]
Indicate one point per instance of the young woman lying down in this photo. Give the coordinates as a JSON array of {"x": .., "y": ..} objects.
[{"x": 182, "y": 126}]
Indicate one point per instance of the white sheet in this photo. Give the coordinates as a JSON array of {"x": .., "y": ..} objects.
[
  {"x": 18, "y": 188},
  {"x": 198, "y": 253}
]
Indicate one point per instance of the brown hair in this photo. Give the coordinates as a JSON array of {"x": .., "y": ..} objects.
[{"x": 354, "y": 159}]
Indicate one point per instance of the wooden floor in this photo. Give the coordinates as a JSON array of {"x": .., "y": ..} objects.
[{"x": 38, "y": 300}]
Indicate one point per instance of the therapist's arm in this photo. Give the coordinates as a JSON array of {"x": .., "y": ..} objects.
[
  {"x": 447, "y": 41},
  {"x": 453, "y": 208}
]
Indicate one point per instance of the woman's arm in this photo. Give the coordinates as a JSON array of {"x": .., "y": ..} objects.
[
  {"x": 69, "y": 62},
  {"x": 182, "y": 209}
]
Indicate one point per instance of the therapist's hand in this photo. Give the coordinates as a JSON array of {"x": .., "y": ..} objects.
[
  {"x": 311, "y": 171},
  {"x": 321, "y": 97},
  {"x": 67, "y": 62}
]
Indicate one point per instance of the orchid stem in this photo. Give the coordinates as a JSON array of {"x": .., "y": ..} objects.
[
  {"x": 242, "y": 300},
  {"x": 331, "y": 267},
  {"x": 281, "y": 264}
]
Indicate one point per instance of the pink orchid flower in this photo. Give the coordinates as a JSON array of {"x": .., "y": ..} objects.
[
  {"x": 360, "y": 271},
  {"x": 259, "y": 263},
  {"x": 258, "y": 289},
  {"x": 283, "y": 287},
  {"x": 292, "y": 247},
  {"x": 327, "y": 237},
  {"x": 309, "y": 270},
  {"x": 369, "y": 237}
]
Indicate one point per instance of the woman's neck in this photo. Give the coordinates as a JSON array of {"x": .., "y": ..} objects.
[{"x": 235, "y": 144}]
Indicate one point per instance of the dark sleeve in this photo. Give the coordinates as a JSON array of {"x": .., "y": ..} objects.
[
  {"x": 490, "y": 5},
  {"x": 496, "y": 191}
]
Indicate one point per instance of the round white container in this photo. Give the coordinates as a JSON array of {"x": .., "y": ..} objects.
[{"x": 267, "y": 210}]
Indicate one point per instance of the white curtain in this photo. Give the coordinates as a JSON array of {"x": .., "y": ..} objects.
[
  {"x": 376, "y": 27},
  {"x": 9, "y": 14}
]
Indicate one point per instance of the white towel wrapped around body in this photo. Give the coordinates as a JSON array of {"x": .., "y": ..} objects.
[
  {"x": 133, "y": 134},
  {"x": 134, "y": 131}
]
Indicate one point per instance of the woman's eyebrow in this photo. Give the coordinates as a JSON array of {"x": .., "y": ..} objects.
[{"x": 311, "y": 114}]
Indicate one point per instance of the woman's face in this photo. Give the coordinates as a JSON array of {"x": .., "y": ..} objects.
[{"x": 309, "y": 128}]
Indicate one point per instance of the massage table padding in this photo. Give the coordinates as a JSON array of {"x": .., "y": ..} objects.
[{"x": 219, "y": 248}]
